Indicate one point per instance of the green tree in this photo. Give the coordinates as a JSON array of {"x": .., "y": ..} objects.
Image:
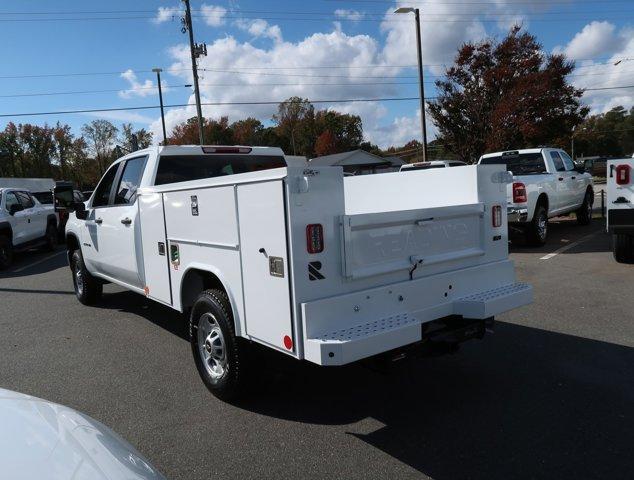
[
  {"x": 143, "y": 137},
  {"x": 504, "y": 95},
  {"x": 295, "y": 124},
  {"x": 101, "y": 136},
  {"x": 609, "y": 134}
]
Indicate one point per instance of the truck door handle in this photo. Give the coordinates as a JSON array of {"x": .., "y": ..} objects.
[
  {"x": 574, "y": 178},
  {"x": 126, "y": 221},
  {"x": 561, "y": 179},
  {"x": 98, "y": 221}
]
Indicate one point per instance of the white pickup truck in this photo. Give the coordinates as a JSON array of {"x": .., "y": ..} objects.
[
  {"x": 24, "y": 223},
  {"x": 320, "y": 267},
  {"x": 545, "y": 184},
  {"x": 620, "y": 208}
]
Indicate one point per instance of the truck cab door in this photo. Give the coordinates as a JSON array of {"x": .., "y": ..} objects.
[
  {"x": 18, "y": 220},
  {"x": 564, "y": 185},
  {"x": 117, "y": 226},
  {"x": 33, "y": 226}
]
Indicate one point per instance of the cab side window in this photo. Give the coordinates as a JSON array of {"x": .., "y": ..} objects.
[
  {"x": 559, "y": 163},
  {"x": 25, "y": 199},
  {"x": 10, "y": 200},
  {"x": 101, "y": 197},
  {"x": 568, "y": 163},
  {"x": 130, "y": 181}
]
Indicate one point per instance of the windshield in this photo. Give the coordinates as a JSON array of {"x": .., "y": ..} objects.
[
  {"x": 519, "y": 163},
  {"x": 183, "y": 168}
]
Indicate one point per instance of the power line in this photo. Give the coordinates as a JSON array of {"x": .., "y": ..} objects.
[{"x": 153, "y": 107}]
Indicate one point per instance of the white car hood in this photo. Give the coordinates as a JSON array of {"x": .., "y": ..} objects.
[{"x": 43, "y": 440}]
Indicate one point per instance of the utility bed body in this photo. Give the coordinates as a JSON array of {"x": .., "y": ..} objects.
[{"x": 398, "y": 251}]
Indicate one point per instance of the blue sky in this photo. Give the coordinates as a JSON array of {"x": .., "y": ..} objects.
[{"x": 268, "y": 51}]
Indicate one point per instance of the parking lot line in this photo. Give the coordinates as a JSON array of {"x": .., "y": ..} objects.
[
  {"x": 42, "y": 260},
  {"x": 569, "y": 246}
]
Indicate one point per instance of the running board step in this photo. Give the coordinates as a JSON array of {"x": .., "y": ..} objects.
[{"x": 493, "y": 302}]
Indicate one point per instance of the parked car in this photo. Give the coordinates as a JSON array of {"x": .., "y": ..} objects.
[
  {"x": 301, "y": 260},
  {"x": 545, "y": 184},
  {"x": 620, "y": 208},
  {"x": 44, "y": 440},
  {"x": 433, "y": 164},
  {"x": 24, "y": 223}
]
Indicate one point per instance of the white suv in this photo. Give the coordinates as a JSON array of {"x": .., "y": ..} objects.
[{"x": 24, "y": 223}]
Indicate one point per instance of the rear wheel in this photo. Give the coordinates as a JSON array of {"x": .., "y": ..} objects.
[
  {"x": 221, "y": 357},
  {"x": 623, "y": 248},
  {"x": 6, "y": 252},
  {"x": 51, "y": 237},
  {"x": 87, "y": 288},
  {"x": 537, "y": 231},
  {"x": 584, "y": 214}
]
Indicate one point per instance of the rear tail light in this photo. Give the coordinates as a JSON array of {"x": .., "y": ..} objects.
[
  {"x": 496, "y": 216},
  {"x": 519, "y": 192},
  {"x": 314, "y": 238},
  {"x": 227, "y": 149},
  {"x": 623, "y": 175}
]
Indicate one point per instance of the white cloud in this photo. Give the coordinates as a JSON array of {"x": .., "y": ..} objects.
[
  {"x": 260, "y": 28},
  {"x": 213, "y": 15},
  {"x": 165, "y": 14},
  {"x": 349, "y": 14},
  {"x": 138, "y": 89},
  {"x": 596, "y": 39},
  {"x": 605, "y": 74}
]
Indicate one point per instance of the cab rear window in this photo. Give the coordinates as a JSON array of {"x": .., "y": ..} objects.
[
  {"x": 519, "y": 163},
  {"x": 184, "y": 168}
]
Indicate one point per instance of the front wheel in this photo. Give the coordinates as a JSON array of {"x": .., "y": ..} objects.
[
  {"x": 51, "y": 237},
  {"x": 6, "y": 252},
  {"x": 584, "y": 214},
  {"x": 537, "y": 231},
  {"x": 623, "y": 248},
  {"x": 221, "y": 357},
  {"x": 88, "y": 289}
]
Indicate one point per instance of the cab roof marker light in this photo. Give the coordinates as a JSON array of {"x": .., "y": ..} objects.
[{"x": 227, "y": 149}]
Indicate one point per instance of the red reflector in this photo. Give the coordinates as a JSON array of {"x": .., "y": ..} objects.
[
  {"x": 519, "y": 192},
  {"x": 623, "y": 175},
  {"x": 314, "y": 238},
  {"x": 496, "y": 216},
  {"x": 288, "y": 342},
  {"x": 227, "y": 149}
]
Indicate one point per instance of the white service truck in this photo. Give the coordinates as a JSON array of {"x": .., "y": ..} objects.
[
  {"x": 24, "y": 223},
  {"x": 314, "y": 265},
  {"x": 620, "y": 208},
  {"x": 545, "y": 184}
]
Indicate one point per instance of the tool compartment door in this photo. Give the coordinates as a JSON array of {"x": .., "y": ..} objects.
[
  {"x": 155, "y": 256},
  {"x": 265, "y": 269}
]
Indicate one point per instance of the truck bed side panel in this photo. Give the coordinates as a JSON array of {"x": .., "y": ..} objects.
[
  {"x": 203, "y": 223},
  {"x": 265, "y": 271}
]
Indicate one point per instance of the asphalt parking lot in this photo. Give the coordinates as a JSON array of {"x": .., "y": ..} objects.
[{"x": 548, "y": 395}]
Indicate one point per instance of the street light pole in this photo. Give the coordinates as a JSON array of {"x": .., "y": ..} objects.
[
  {"x": 421, "y": 83},
  {"x": 195, "y": 51},
  {"x": 160, "y": 92}
]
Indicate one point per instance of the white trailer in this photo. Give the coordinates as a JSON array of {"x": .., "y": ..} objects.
[
  {"x": 314, "y": 265},
  {"x": 620, "y": 208}
]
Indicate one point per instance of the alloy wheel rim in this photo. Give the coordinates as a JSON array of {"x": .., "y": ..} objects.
[
  {"x": 79, "y": 281},
  {"x": 211, "y": 346}
]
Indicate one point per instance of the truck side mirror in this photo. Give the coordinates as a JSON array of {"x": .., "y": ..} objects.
[
  {"x": 80, "y": 210},
  {"x": 15, "y": 208}
]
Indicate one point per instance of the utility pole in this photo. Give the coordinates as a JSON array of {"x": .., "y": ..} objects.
[
  {"x": 421, "y": 83},
  {"x": 196, "y": 50},
  {"x": 160, "y": 92}
]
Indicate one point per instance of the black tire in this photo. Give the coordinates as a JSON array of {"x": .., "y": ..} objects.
[
  {"x": 51, "y": 237},
  {"x": 537, "y": 231},
  {"x": 584, "y": 214},
  {"x": 87, "y": 288},
  {"x": 221, "y": 358},
  {"x": 623, "y": 248},
  {"x": 6, "y": 252}
]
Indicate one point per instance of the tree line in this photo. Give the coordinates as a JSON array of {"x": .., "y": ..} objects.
[{"x": 498, "y": 95}]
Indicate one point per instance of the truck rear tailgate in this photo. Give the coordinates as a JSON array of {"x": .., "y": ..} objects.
[{"x": 379, "y": 243}]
